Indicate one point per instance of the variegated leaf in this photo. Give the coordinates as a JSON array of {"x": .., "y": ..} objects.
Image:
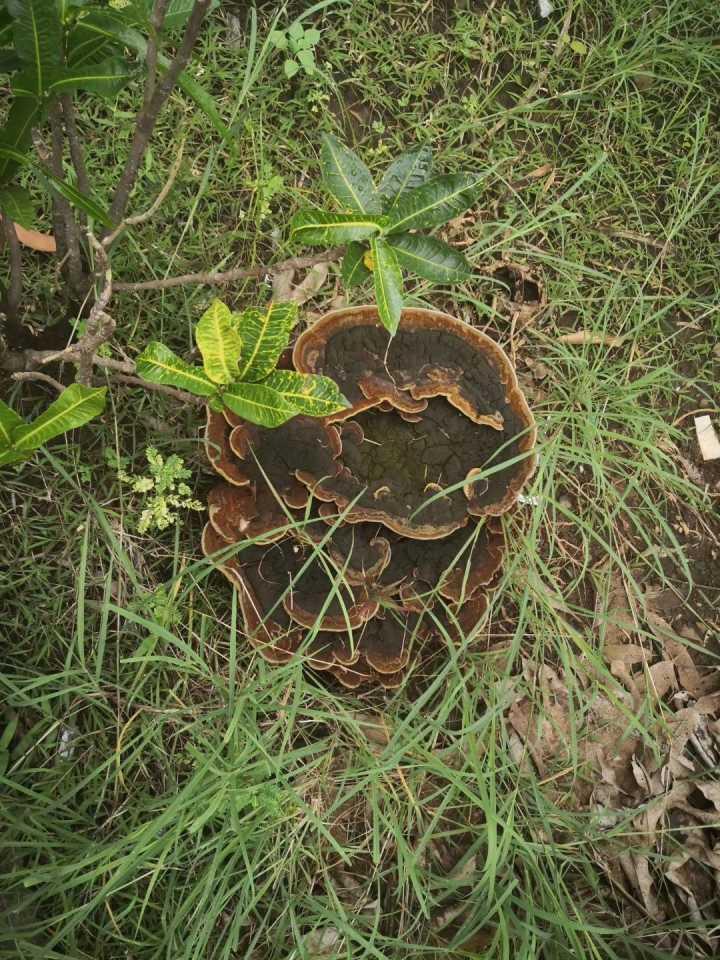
[
  {"x": 311, "y": 394},
  {"x": 258, "y": 404},
  {"x": 264, "y": 336},
  {"x": 219, "y": 343},
  {"x": 158, "y": 364}
]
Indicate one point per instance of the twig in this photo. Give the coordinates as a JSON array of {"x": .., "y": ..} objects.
[
  {"x": 238, "y": 273},
  {"x": 76, "y": 150},
  {"x": 100, "y": 325},
  {"x": 180, "y": 395},
  {"x": 42, "y": 377},
  {"x": 148, "y": 116},
  {"x": 152, "y": 209},
  {"x": 14, "y": 292}
]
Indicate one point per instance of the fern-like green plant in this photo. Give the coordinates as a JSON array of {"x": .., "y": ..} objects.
[
  {"x": 240, "y": 353},
  {"x": 381, "y": 224}
]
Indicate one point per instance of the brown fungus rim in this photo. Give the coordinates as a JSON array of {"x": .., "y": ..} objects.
[{"x": 316, "y": 337}]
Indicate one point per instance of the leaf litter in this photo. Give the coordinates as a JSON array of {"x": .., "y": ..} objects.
[{"x": 645, "y": 754}]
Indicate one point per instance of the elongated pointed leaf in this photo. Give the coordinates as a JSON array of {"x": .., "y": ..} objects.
[
  {"x": 158, "y": 364},
  {"x": 409, "y": 170},
  {"x": 319, "y": 228},
  {"x": 353, "y": 270},
  {"x": 219, "y": 343},
  {"x": 16, "y": 203},
  {"x": 16, "y": 135},
  {"x": 74, "y": 407},
  {"x": 264, "y": 337},
  {"x": 436, "y": 202},
  {"x": 258, "y": 404},
  {"x": 311, "y": 394},
  {"x": 111, "y": 26},
  {"x": 388, "y": 283},
  {"x": 430, "y": 258},
  {"x": 38, "y": 38},
  {"x": 9, "y": 421},
  {"x": 347, "y": 178},
  {"x": 106, "y": 78}
]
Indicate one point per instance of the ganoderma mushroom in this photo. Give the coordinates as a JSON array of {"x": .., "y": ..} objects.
[{"x": 354, "y": 537}]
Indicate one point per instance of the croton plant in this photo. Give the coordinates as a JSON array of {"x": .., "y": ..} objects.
[{"x": 382, "y": 225}]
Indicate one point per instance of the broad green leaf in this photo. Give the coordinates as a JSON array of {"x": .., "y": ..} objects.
[
  {"x": 435, "y": 202},
  {"x": 112, "y": 27},
  {"x": 105, "y": 78},
  {"x": 278, "y": 39},
  {"x": 16, "y": 135},
  {"x": 409, "y": 170},
  {"x": 178, "y": 12},
  {"x": 430, "y": 258},
  {"x": 17, "y": 204},
  {"x": 264, "y": 337},
  {"x": 306, "y": 59},
  {"x": 219, "y": 343},
  {"x": 38, "y": 38},
  {"x": 290, "y": 68},
  {"x": 9, "y": 62},
  {"x": 353, "y": 270},
  {"x": 318, "y": 228},
  {"x": 9, "y": 421},
  {"x": 346, "y": 177},
  {"x": 12, "y": 456},
  {"x": 388, "y": 283},
  {"x": 158, "y": 364},
  {"x": 74, "y": 407},
  {"x": 311, "y": 394},
  {"x": 258, "y": 404}
]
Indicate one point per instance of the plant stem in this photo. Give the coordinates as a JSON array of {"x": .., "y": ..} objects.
[{"x": 148, "y": 116}]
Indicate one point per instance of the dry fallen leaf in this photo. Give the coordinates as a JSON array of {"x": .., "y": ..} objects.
[
  {"x": 587, "y": 336},
  {"x": 34, "y": 240}
]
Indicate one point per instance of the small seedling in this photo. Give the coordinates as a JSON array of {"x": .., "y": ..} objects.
[
  {"x": 166, "y": 489},
  {"x": 380, "y": 224},
  {"x": 300, "y": 45},
  {"x": 240, "y": 353}
]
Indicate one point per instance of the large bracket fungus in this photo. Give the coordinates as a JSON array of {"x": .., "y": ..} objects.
[{"x": 351, "y": 537}]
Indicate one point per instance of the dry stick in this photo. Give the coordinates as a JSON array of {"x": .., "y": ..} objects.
[
  {"x": 42, "y": 377},
  {"x": 238, "y": 273},
  {"x": 148, "y": 116},
  {"x": 139, "y": 218},
  {"x": 65, "y": 213},
  {"x": 14, "y": 292}
]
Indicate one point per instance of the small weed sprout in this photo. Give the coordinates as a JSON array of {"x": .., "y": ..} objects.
[
  {"x": 168, "y": 492},
  {"x": 300, "y": 45}
]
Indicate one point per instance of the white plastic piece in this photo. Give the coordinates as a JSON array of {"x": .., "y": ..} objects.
[{"x": 707, "y": 438}]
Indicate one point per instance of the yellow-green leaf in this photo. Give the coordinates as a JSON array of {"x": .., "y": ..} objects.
[
  {"x": 74, "y": 407},
  {"x": 219, "y": 343},
  {"x": 158, "y": 364},
  {"x": 311, "y": 394},
  {"x": 317, "y": 227},
  {"x": 9, "y": 421},
  {"x": 264, "y": 336},
  {"x": 258, "y": 404}
]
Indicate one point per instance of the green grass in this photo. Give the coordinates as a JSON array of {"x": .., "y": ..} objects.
[{"x": 210, "y": 806}]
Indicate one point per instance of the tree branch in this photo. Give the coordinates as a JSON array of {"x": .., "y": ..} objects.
[
  {"x": 238, "y": 273},
  {"x": 71, "y": 232},
  {"x": 75, "y": 142},
  {"x": 148, "y": 116},
  {"x": 14, "y": 292}
]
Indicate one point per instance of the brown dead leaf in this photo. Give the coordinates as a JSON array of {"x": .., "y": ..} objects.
[
  {"x": 579, "y": 337},
  {"x": 34, "y": 240},
  {"x": 540, "y": 171}
]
